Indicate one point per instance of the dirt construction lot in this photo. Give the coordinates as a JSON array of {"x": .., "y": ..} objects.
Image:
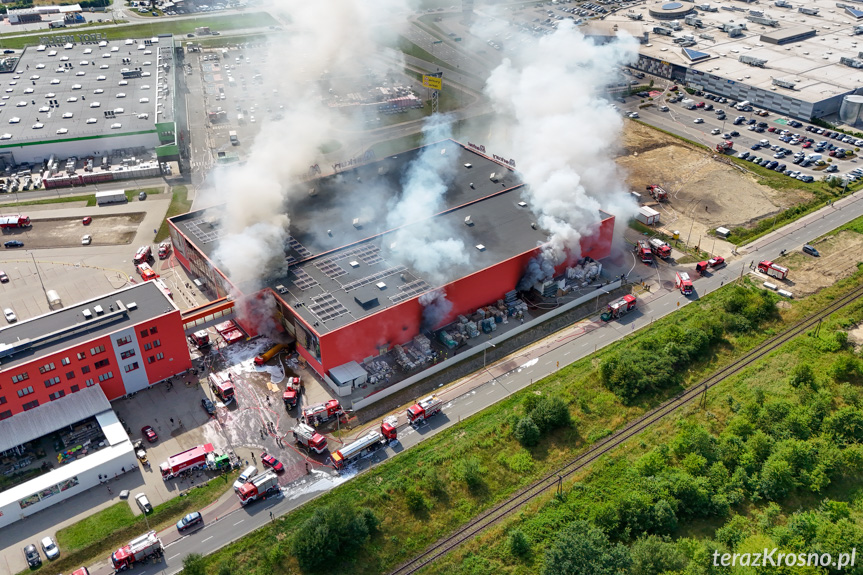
[
  {"x": 808, "y": 274},
  {"x": 67, "y": 232},
  {"x": 712, "y": 191}
]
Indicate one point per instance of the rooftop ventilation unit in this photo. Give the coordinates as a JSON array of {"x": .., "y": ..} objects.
[
  {"x": 468, "y": 165},
  {"x": 808, "y": 10},
  {"x": 480, "y": 247},
  {"x": 763, "y": 20},
  {"x": 468, "y": 221},
  {"x": 784, "y": 83},
  {"x": 522, "y": 204},
  {"x": 98, "y": 309},
  {"x": 381, "y": 285},
  {"x": 357, "y": 223},
  {"x": 493, "y": 177},
  {"x": 752, "y": 61},
  {"x": 87, "y": 314},
  {"x": 852, "y": 62},
  {"x": 133, "y": 305},
  {"x": 354, "y": 264}
]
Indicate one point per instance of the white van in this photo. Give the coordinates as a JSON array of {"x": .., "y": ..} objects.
[
  {"x": 742, "y": 104},
  {"x": 247, "y": 474}
]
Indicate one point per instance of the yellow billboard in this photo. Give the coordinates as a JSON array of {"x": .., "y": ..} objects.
[{"x": 433, "y": 82}]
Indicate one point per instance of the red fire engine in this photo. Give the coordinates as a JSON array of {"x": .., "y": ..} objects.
[
  {"x": 318, "y": 413},
  {"x": 309, "y": 438},
  {"x": 619, "y": 308},
  {"x": 773, "y": 270},
  {"x": 368, "y": 443},
  {"x": 657, "y": 193},
  {"x": 189, "y": 459},
  {"x": 683, "y": 283},
  {"x": 14, "y": 222},
  {"x": 660, "y": 248},
  {"x": 424, "y": 409},
  {"x": 291, "y": 393},
  {"x": 222, "y": 384},
  {"x": 642, "y": 249}
]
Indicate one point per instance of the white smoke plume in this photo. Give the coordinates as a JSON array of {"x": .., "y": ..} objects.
[
  {"x": 428, "y": 246},
  {"x": 555, "y": 121},
  {"x": 436, "y": 308},
  {"x": 336, "y": 37}
]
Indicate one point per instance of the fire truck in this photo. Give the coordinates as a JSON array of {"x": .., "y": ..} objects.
[
  {"x": 258, "y": 486},
  {"x": 193, "y": 458},
  {"x": 143, "y": 255},
  {"x": 200, "y": 338},
  {"x": 660, "y": 248},
  {"x": 309, "y": 438},
  {"x": 222, "y": 384},
  {"x": 366, "y": 444},
  {"x": 725, "y": 147},
  {"x": 146, "y": 272},
  {"x": 642, "y": 249},
  {"x": 17, "y": 221},
  {"x": 291, "y": 393},
  {"x": 773, "y": 270},
  {"x": 713, "y": 263},
  {"x": 683, "y": 283},
  {"x": 318, "y": 413},
  {"x": 619, "y": 308},
  {"x": 137, "y": 551},
  {"x": 657, "y": 193},
  {"x": 269, "y": 354},
  {"x": 164, "y": 250},
  {"x": 424, "y": 409}
]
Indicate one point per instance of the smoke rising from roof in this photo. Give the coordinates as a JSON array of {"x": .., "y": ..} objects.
[
  {"x": 321, "y": 38},
  {"x": 556, "y": 122},
  {"x": 436, "y": 308},
  {"x": 426, "y": 244}
]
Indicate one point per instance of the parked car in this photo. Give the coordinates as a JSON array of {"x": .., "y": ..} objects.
[
  {"x": 50, "y": 548},
  {"x": 31, "y": 554},
  {"x": 3, "y": 277},
  {"x": 208, "y": 406},
  {"x": 142, "y": 196},
  {"x": 189, "y": 521},
  {"x": 150, "y": 433},
  {"x": 86, "y": 221},
  {"x": 270, "y": 461},
  {"x": 10, "y": 315},
  {"x": 143, "y": 503},
  {"x": 809, "y": 249},
  {"x": 13, "y": 244},
  {"x": 86, "y": 240}
]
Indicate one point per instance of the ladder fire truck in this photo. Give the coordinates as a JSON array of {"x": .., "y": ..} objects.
[
  {"x": 660, "y": 248},
  {"x": 309, "y": 438},
  {"x": 258, "y": 486},
  {"x": 318, "y": 413},
  {"x": 136, "y": 551},
  {"x": 773, "y": 270}
]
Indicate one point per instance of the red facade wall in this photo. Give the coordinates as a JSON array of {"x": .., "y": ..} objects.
[
  {"x": 169, "y": 330},
  {"x": 400, "y": 323}
]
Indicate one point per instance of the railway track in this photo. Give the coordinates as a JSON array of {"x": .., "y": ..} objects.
[{"x": 552, "y": 480}]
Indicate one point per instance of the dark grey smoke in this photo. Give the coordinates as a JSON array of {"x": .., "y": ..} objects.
[
  {"x": 436, "y": 308},
  {"x": 259, "y": 311},
  {"x": 539, "y": 268}
]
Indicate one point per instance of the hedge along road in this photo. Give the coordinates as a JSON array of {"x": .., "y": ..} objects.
[{"x": 493, "y": 385}]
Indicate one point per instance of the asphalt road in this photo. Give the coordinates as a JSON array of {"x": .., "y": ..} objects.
[{"x": 229, "y": 522}]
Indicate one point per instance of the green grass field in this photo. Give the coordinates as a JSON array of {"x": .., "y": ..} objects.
[{"x": 180, "y": 204}]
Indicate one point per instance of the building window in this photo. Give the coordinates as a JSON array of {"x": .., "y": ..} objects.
[
  {"x": 124, "y": 340},
  {"x": 85, "y": 369},
  {"x": 151, "y": 359},
  {"x": 153, "y": 330},
  {"x": 20, "y": 377},
  {"x": 156, "y": 343},
  {"x": 89, "y": 383},
  {"x": 127, "y": 354},
  {"x": 143, "y": 333},
  {"x": 26, "y": 391},
  {"x": 131, "y": 367},
  {"x": 2, "y": 400},
  {"x": 46, "y": 368},
  {"x": 97, "y": 350},
  {"x": 5, "y": 415},
  {"x": 57, "y": 395},
  {"x": 74, "y": 388},
  {"x": 70, "y": 375},
  {"x": 52, "y": 381},
  {"x": 160, "y": 356},
  {"x": 64, "y": 361},
  {"x": 82, "y": 355},
  {"x": 30, "y": 405},
  {"x": 148, "y": 346},
  {"x": 106, "y": 376},
  {"x": 101, "y": 363}
]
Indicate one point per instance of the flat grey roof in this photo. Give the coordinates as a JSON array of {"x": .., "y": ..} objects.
[
  {"x": 78, "y": 77},
  {"x": 52, "y": 416},
  {"x": 783, "y": 35},
  {"x": 812, "y": 64},
  {"x": 67, "y": 327}
]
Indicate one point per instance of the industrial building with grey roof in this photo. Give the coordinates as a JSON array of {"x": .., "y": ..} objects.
[
  {"x": 75, "y": 98},
  {"x": 797, "y": 59}
]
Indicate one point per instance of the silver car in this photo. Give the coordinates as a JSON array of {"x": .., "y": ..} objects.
[{"x": 50, "y": 548}]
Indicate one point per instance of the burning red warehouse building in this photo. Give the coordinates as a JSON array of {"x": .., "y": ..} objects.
[{"x": 345, "y": 296}]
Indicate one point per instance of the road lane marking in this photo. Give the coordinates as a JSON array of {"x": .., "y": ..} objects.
[
  {"x": 207, "y": 539},
  {"x": 172, "y": 556},
  {"x": 238, "y": 522}
]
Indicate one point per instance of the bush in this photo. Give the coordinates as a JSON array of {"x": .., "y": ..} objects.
[
  {"x": 470, "y": 471},
  {"x": 802, "y": 376},
  {"x": 432, "y": 481},
  {"x": 845, "y": 368},
  {"x": 339, "y": 529},
  {"x": 519, "y": 546},
  {"x": 550, "y": 413},
  {"x": 194, "y": 564},
  {"x": 526, "y": 432},
  {"x": 416, "y": 501}
]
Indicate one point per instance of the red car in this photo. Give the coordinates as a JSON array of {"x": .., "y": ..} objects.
[
  {"x": 87, "y": 220},
  {"x": 807, "y": 144},
  {"x": 270, "y": 461},
  {"x": 150, "y": 433}
]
